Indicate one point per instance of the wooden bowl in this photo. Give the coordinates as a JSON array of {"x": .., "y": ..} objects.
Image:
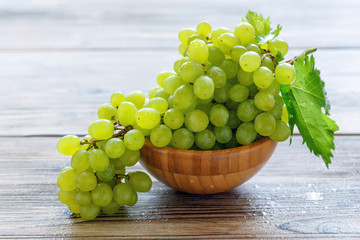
[{"x": 206, "y": 172}]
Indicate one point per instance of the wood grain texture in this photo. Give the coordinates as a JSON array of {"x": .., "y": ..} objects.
[
  {"x": 206, "y": 172},
  {"x": 293, "y": 197}
]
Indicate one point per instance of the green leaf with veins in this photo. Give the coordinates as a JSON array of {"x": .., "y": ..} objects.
[{"x": 305, "y": 101}]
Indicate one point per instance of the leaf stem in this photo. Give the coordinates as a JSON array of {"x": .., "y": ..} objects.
[{"x": 304, "y": 53}]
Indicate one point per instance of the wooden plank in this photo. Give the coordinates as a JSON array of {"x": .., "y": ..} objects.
[
  {"x": 293, "y": 197},
  {"x": 59, "y": 93},
  {"x": 42, "y": 24}
]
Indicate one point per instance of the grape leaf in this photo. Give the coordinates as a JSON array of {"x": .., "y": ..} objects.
[
  {"x": 263, "y": 31},
  {"x": 305, "y": 101}
]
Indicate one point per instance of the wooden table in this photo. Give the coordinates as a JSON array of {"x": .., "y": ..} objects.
[{"x": 61, "y": 59}]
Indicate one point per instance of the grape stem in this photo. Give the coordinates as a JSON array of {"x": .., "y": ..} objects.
[{"x": 304, "y": 53}]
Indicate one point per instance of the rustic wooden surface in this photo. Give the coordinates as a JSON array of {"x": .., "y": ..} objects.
[{"x": 61, "y": 59}]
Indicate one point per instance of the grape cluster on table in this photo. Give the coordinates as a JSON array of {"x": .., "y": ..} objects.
[{"x": 224, "y": 92}]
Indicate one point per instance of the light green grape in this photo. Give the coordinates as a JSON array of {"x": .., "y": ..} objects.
[
  {"x": 284, "y": 73},
  {"x": 245, "y": 32},
  {"x": 83, "y": 198},
  {"x": 250, "y": 61},
  {"x": 108, "y": 174},
  {"x": 221, "y": 95},
  {"x": 247, "y": 111},
  {"x": 205, "y": 140},
  {"x": 184, "y": 96},
  {"x": 173, "y": 118},
  {"x": 122, "y": 193},
  {"x": 219, "y": 115},
  {"x": 204, "y": 87},
  {"x": 133, "y": 199},
  {"x": 263, "y": 77},
  {"x": 204, "y": 28},
  {"x": 246, "y": 133},
  {"x": 216, "y": 56},
  {"x": 140, "y": 181},
  {"x": 161, "y": 93},
  {"x": 185, "y": 33},
  {"x": 245, "y": 78},
  {"x": 264, "y": 101},
  {"x": 196, "y": 36},
  {"x": 117, "y": 98},
  {"x": 276, "y": 111},
  {"x": 182, "y": 49},
  {"x": 67, "y": 197},
  {"x": 117, "y": 163},
  {"x": 146, "y": 132},
  {"x": 101, "y": 129},
  {"x": 238, "y": 93},
  {"x": 178, "y": 64},
  {"x": 188, "y": 109},
  {"x": 67, "y": 180},
  {"x": 196, "y": 120},
  {"x": 230, "y": 68},
  {"x": 130, "y": 158},
  {"x": 84, "y": 139},
  {"x": 74, "y": 208},
  {"x": 111, "y": 208},
  {"x": 80, "y": 161},
  {"x": 191, "y": 70},
  {"x": 227, "y": 41},
  {"x": 265, "y": 124},
  {"x": 278, "y": 45},
  {"x": 233, "y": 121},
  {"x": 281, "y": 132},
  {"x": 160, "y": 136},
  {"x": 134, "y": 139},
  {"x": 254, "y": 48},
  {"x": 217, "y": 75},
  {"x": 102, "y": 195},
  {"x": 89, "y": 212},
  {"x": 162, "y": 76},
  {"x": 126, "y": 113},
  {"x": 223, "y": 134},
  {"x": 68, "y": 145},
  {"x": 153, "y": 91},
  {"x": 98, "y": 160},
  {"x": 114, "y": 148},
  {"x": 137, "y": 98},
  {"x": 236, "y": 52},
  {"x": 86, "y": 181},
  {"x": 147, "y": 118},
  {"x": 206, "y": 107},
  {"x": 182, "y": 138},
  {"x": 159, "y": 104},
  {"x": 172, "y": 83},
  {"x": 216, "y": 33},
  {"x": 268, "y": 62},
  {"x": 198, "y": 51},
  {"x": 107, "y": 111},
  {"x": 274, "y": 88}
]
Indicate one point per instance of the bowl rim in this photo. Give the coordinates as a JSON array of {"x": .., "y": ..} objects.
[{"x": 254, "y": 144}]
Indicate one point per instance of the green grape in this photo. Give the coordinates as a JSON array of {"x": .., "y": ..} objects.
[
  {"x": 122, "y": 193},
  {"x": 231, "y": 105},
  {"x": 159, "y": 104},
  {"x": 140, "y": 181},
  {"x": 285, "y": 115},
  {"x": 198, "y": 51},
  {"x": 196, "y": 36},
  {"x": 86, "y": 181},
  {"x": 67, "y": 180},
  {"x": 253, "y": 90},
  {"x": 204, "y": 87},
  {"x": 126, "y": 113},
  {"x": 264, "y": 101},
  {"x": 137, "y": 98},
  {"x": 89, "y": 212},
  {"x": 205, "y": 107},
  {"x": 107, "y": 111},
  {"x": 223, "y": 134},
  {"x": 268, "y": 62},
  {"x": 196, "y": 120},
  {"x": 265, "y": 124},
  {"x": 171, "y": 102},
  {"x": 188, "y": 109},
  {"x": 278, "y": 45},
  {"x": 254, "y": 48},
  {"x": 219, "y": 115},
  {"x": 67, "y": 197},
  {"x": 218, "y": 146},
  {"x": 247, "y": 111},
  {"x": 101, "y": 129},
  {"x": 129, "y": 158},
  {"x": 221, "y": 95},
  {"x": 216, "y": 33},
  {"x": 108, "y": 174},
  {"x": 284, "y": 73},
  {"x": 190, "y": 70},
  {"x": 233, "y": 121},
  {"x": 113, "y": 181},
  {"x": 115, "y": 147},
  {"x": 117, "y": 98},
  {"x": 134, "y": 139},
  {"x": 263, "y": 77},
  {"x": 173, "y": 118},
  {"x": 111, "y": 208},
  {"x": 204, "y": 28},
  {"x": 117, "y": 163},
  {"x": 84, "y": 139},
  {"x": 80, "y": 161},
  {"x": 246, "y": 133},
  {"x": 74, "y": 208},
  {"x": 274, "y": 88},
  {"x": 83, "y": 198},
  {"x": 205, "y": 140},
  {"x": 216, "y": 56},
  {"x": 281, "y": 132},
  {"x": 232, "y": 143},
  {"x": 227, "y": 41},
  {"x": 230, "y": 68},
  {"x": 250, "y": 61},
  {"x": 68, "y": 145},
  {"x": 178, "y": 64},
  {"x": 276, "y": 111},
  {"x": 245, "y": 78},
  {"x": 160, "y": 136},
  {"x": 102, "y": 195},
  {"x": 147, "y": 118},
  {"x": 134, "y": 199},
  {"x": 162, "y": 76},
  {"x": 145, "y": 132},
  {"x": 66, "y": 169},
  {"x": 238, "y": 93},
  {"x": 245, "y": 32},
  {"x": 182, "y": 49},
  {"x": 153, "y": 91},
  {"x": 185, "y": 33},
  {"x": 184, "y": 96},
  {"x": 98, "y": 160},
  {"x": 172, "y": 83},
  {"x": 236, "y": 52},
  {"x": 217, "y": 75},
  {"x": 182, "y": 138},
  {"x": 161, "y": 93}
]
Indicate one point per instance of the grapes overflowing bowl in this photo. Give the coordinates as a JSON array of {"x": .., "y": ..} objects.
[{"x": 208, "y": 125}]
